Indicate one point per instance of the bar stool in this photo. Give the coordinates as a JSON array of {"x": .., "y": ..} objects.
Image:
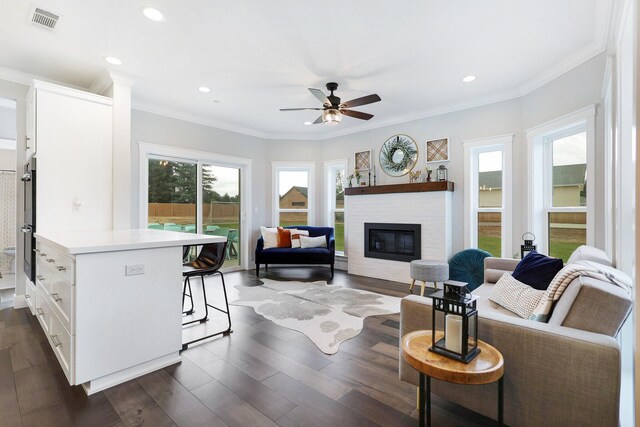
[{"x": 208, "y": 263}]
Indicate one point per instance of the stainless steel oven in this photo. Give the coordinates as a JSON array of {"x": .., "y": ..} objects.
[{"x": 29, "y": 224}]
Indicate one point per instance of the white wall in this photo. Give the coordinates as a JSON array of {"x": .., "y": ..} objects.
[{"x": 7, "y": 160}]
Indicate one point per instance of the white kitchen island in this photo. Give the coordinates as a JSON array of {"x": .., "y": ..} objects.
[{"x": 110, "y": 302}]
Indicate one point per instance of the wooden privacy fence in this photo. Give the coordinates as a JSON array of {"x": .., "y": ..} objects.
[{"x": 211, "y": 210}]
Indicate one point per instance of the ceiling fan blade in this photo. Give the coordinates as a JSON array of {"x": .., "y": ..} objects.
[
  {"x": 357, "y": 114},
  {"x": 318, "y": 120},
  {"x": 369, "y": 99},
  {"x": 300, "y": 109},
  {"x": 320, "y": 95}
]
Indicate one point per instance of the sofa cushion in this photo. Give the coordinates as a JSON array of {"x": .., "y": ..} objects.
[
  {"x": 307, "y": 242},
  {"x": 537, "y": 270},
  {"x": 295, "y": 237},
  {"x": 296, "y": 256},
  {"x": 589, "y": 253},
  {"x": 515, "y": 296},
  {"x": 284, "y": 238},
  {"x": 270, "y": 237},
  {"x": 484, "y": 304}
]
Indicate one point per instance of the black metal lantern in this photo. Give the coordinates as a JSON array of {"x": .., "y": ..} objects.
[
  {"x": 441, "y": 173},
  {"x": 528, "y": 246},
  {"x": 457, "y": 307}
]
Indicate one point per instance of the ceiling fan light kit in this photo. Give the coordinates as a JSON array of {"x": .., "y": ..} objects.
[
  {"x": 332, "y": 109},
  {"x": 331, "y": 117}
]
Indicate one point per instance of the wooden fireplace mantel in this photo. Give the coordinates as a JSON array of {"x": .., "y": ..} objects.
[{"x": 400, "y": 188}]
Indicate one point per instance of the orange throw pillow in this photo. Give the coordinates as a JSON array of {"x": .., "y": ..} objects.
[{"x": 284, "y": 238}]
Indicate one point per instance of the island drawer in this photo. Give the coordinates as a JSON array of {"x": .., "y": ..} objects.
[{"x": 57, "y": 261}]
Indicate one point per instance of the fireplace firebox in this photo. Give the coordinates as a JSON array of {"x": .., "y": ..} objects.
[{"x": 398, "y": 242}]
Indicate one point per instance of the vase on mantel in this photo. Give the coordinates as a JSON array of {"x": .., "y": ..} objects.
[{"x": 429, "y": 175}]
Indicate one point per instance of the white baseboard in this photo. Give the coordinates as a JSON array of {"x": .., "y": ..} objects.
[
  {"x": 20, "y": 302},
  {"x": 125, "y": 375}
]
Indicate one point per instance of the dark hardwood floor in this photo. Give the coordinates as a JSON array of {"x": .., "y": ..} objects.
[{"x": 260, "y": 375}]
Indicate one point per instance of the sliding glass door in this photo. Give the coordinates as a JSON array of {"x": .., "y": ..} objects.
[
  {"x": 173, "y": 188},
  {"x": 221, "y": 207},
  {"x": 192, "y": 196}
]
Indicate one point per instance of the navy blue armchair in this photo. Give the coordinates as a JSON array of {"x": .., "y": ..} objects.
[{"x": 303, "y": 256}]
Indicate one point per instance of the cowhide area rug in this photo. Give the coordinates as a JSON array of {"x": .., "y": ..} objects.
[{"x": 326, "y": 314}]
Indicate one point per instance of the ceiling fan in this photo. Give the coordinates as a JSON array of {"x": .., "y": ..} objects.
[{"x": 332, "y": 109}]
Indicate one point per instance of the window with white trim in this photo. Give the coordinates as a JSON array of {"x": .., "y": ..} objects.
[
  {"x": 335, "y": 173},
  {"x": 293, "y": 190},
  {"x": 488, "y": 195},
  {"x": 561, "y": 155},
  {"x": 565, "y": 191}
]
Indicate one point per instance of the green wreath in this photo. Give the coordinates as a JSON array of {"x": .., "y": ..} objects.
[{"x": 398, "y": 155}]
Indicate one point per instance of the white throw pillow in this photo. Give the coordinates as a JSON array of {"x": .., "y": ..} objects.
[
  {"x": 589, "y": 253},
  {"x": 515, "y": 296},
  {"x": 313, "y": 242},
  {"x": 295, "y": 236},
  {"x": 270, "y": 237}
]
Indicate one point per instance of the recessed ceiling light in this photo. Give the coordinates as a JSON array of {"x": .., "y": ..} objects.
[
  {"x": 113, "y": 60},
  {"x": 216, "y": 101},
  {"x": 153, "y": 14},
  {"x": 204, "y": 89},
  {"x": 308, "y": 123},
  {"x": 469, "y": 79}
]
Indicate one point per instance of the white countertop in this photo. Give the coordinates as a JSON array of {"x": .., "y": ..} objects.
[{"x": 83, "y": 242}]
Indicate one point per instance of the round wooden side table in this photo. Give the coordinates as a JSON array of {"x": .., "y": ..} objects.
[{"x": 487, "y": 367}]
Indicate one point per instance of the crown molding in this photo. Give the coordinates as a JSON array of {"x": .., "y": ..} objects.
[
  {"x": 27, "y": 79},
  {"x": 194, "y": 118},
  {"x": 582, "y": 56},
  {"x": 401, "y": 119},
  {"x": 107, "y": 78}
]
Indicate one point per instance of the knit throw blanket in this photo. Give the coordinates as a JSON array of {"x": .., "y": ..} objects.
[{"x": 570, "y": 272}]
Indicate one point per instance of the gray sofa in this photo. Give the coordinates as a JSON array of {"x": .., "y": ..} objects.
[{"x": 562, "y": 373}]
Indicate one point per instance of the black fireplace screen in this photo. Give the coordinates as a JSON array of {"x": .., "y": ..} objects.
[{"x": 399, "y": 242}]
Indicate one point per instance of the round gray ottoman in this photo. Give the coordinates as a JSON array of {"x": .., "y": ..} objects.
[{"x": 428, "y": 271}]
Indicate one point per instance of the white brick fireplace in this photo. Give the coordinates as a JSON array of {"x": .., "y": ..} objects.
[{"x": 430, "y": 209}]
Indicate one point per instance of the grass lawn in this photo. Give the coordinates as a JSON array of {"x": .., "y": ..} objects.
[{"x": 561, "y": 250}]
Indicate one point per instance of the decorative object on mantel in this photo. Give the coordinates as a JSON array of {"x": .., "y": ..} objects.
[
  {"x": 442, "y": 173},
  {"x": 418, "y": 187},
  {"x": 528, "y": 246},
  {"x": 456, "y": 306},
  {"x": 438, "y": 150},
  {"x": 326, "y": 314},
  {"x": 427, "y": 174},
  {"x": 414, "y": 177},
  {"x": 350, "y": 178},
  {"x": 398, "y": 155}
]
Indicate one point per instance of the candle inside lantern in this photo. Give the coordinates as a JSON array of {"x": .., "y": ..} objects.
[{"x": 453, "y": 337}]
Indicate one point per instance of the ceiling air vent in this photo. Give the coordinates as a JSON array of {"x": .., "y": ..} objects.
[{"x": 44, "y": 19}]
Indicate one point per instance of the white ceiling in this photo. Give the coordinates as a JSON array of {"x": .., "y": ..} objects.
[{"x": 259, "y": 56}]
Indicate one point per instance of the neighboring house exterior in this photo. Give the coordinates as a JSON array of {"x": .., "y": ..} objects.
[
  {"x": 295, "y": 198},
  {"x": 568, "y": 186}
]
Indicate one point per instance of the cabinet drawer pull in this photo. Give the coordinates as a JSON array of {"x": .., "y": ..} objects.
[
  {"x": 56, "y": 297},
  {"x": 42, "y": 254},
  {"x": 56, "y": 341},
  {"x": 41, "y": 278},
  {"x": 27, "y": 296},
  {"x": 61, "y": 268},
  {"x": 51, "y": 260},
  {"x": 36, "y": 251},
  {"x": 40, "y": 312}
]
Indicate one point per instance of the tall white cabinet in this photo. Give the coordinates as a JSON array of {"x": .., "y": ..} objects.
[{"x": 70, "y": 132}]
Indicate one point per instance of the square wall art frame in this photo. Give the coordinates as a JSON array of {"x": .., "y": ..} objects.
[
  {"x": 437, "y": 150},
  {"x": 363, "y": 160}
]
